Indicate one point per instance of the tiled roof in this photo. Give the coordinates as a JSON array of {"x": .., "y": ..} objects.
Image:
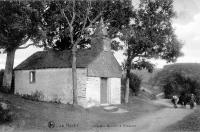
[
  {"x": 99, "y": 64},
  {"x": 56, "y": 59}
]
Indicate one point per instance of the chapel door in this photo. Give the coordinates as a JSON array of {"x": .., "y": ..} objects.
[{"x": 104, "y": 91}]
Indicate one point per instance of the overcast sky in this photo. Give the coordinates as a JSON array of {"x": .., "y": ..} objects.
[{"x": 187, "y": 28}]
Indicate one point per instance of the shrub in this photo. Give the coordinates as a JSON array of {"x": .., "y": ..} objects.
[
  {"x": 36, "y": 96},
  {"x": 179, "y": 83},
  {"x": 56, "y": 100},
  {"x": 134, "y": 83},
  {"x": 6, "y": 115},
  {"x": 4, "y": 89}
]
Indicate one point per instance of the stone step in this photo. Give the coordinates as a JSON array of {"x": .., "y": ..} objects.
[{"x": 111, "y": 108}]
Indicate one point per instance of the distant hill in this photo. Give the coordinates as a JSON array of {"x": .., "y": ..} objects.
[
  {"x": 178, "y": 78},
  {"x": 187, "y": 69}
]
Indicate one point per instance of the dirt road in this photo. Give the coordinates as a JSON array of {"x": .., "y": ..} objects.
[
  {"x": 155, "y": 122},
  {"x": 151, "y": 122}
]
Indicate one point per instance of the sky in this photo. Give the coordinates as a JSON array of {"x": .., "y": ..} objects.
[{"x": 187, "y": 29}]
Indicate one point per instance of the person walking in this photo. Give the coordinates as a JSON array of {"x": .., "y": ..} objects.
[
  {"x": 175, "y": 100},
  {"x": 192, "y": 101}
]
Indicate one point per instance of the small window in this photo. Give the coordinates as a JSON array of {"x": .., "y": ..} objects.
[{"x": 32, "y": 76}]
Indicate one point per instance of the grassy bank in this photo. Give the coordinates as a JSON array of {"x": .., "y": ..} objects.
[{"x": 36, "y": 115}]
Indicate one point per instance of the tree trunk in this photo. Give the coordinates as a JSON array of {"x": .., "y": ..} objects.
[
  {"x": 7, "y": 77},
  {"x": 127, "y": 86},
  {"x": 128, "y": 70},
  {"x": 74, "y": 75}
]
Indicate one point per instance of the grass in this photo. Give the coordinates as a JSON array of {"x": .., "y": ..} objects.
[
  {"x": 36, "y": 115},
  {"x": 190, "y": 123}
]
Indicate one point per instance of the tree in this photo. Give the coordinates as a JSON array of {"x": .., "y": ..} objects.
[
  {"x": 135, "y": 82},
  {"x": 1, "y": 77},
  {"x": 150, "y": 35},
  {"x": 72, "y": 24},
  {"x": 18, "y": 25},
  {"x": 115, "y": 14}
]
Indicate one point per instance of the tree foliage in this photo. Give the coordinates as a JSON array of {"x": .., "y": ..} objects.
[
  {"x": 18, "y": 24},
  {"x": 72, "y": 24},
  {"x": 186, "y": 69},
  {"x": 115, "y": 13},
  {"x": 58, "y": 24},
  {"x": 151, "y": 35},
  {"x": 180, "y": 78},
  {"x": 178, "y": 84}
]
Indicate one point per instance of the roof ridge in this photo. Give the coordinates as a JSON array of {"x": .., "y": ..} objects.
[
  {"x": 31, "y": 56},
  {"x": 57, "y": 59}
]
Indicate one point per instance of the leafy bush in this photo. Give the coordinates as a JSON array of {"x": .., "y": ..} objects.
[
  {"x": 6, "y": 115},
  {"x": 56, "y": 100},
  {"x": 36, "y": 96},
  {"x": 4, "y": 89},
  {"x": 179, "y": 83},
  {"x": 179, "y": 78},
  {"x": 134, "y": 83},
  {"x": 186, "y": 69}
]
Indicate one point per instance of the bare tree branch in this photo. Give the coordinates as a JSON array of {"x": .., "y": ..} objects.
[
  {"x": 85, "y": 21},
  {"x": 89, "y": 20},
  {"x": 64, "y": 15},
  {"x": 74, "y": 13},
  {"x": 110, "y": 20},
  {"x": 77, "y": 41},
  {"x": 26, "y": 46},
  {"x": 70, "y": 24},
  {"x": 94, "y": 20},
  {"x": 24, "y": 41},
  {"x": 69, "y": 11}
]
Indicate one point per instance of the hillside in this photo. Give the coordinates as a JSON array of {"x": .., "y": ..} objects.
[
  {"x": 145, "y": 75},
  {"x": 187, "y": 69},
  {"x": 146, "y": 85},
  {"x": 153, "y": 82}
]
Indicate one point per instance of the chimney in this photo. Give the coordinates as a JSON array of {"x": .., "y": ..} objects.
[{"x": 101, "y": 42}]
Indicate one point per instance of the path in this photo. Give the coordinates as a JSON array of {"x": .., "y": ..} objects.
[{"x": 153, "y": 122}]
